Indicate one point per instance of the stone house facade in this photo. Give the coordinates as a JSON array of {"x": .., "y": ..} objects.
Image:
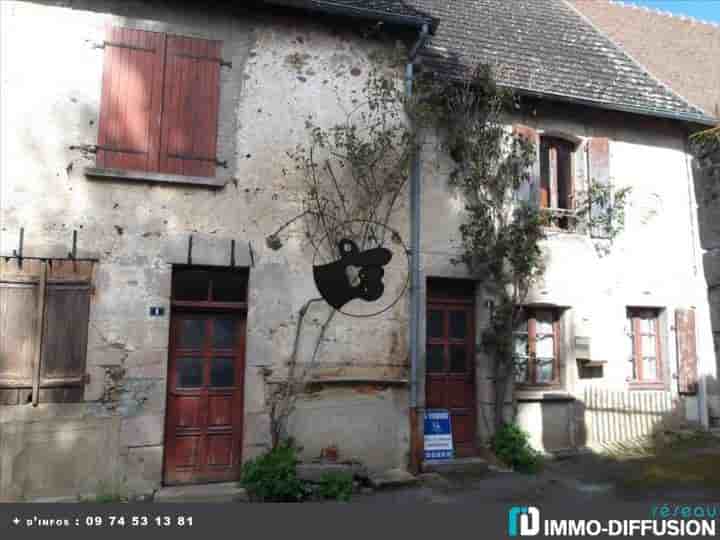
[{"x": 142, "y": 267}]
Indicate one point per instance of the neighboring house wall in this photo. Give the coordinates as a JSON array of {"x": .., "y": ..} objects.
[
  {"x": 681, "y": 52},
  {"x": 51, "y": 94},
  {"x": 655, "y": 262},
  {"x": 707, "y": 177}
]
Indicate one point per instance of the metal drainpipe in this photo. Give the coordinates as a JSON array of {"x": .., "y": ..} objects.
[{"x": 415, "y": 202}]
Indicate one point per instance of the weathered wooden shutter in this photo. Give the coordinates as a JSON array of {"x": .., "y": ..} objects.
[
  {"x": 190, "y": 106},
  {"x": 530, "y": 191},
  {"x": 686, "y": 351},
  {"x": 64, "y": 349},
  {"x": 599, "y": 172},
  {"x": 130, "y": 107},
  {"x": 19, "y": 329},
  {"x": 44, "y": 315}
]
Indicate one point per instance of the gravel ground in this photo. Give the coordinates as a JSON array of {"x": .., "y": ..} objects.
[{"x": 584, "y": 477}]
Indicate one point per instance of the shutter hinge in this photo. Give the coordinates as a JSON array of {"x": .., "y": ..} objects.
[
  {"x": 226, "y": 63},
  {"x": 91, "y": 148},
  {"x": 86, "y": 379}
]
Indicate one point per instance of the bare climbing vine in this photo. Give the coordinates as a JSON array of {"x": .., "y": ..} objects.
[{"x": 353, "y": 176}]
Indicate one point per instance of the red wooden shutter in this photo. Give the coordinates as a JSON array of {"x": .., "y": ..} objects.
[
  {"x": 130, "y": 107},
  {"x": 64, "y": 349},
  {"x": 531, "y": 192},
  {"x": 190, "y": 106},
  {"x": 599, "y": 164},
  {"x": 19, "y": 329},
  {"x": 686, "y": 352}
]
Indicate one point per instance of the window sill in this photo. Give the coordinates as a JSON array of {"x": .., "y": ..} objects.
[
  {"x": 641, "y": 385},
  {"x": 542, "y": 394},
  {"x": 145, "y": 176}
]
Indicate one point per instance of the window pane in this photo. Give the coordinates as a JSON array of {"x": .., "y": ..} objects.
[
  {"x": 228, "y": 287},
  {"x": 545, "y": 346},
  {"x": 190, "y": 372},
  {"x": 522, "y": 326},
  {"x": 650, "y": 369},
  {"x": 520, "y": 345},
  {"x": 544, "y": 370},
  {"x": 435, "y": 357},
  {"x": 544, "y": 324},
  {"x": 222, "y": 372},
  {"x": 647, "y": 325},
  {"x": 224, "y": 333},
  {"x": 648, "y": 345},
  {"x": 190, "y": 285},
  {"x": 458, "y": 324},
  {"x": 458, "y": 358},
  {"x": 435, "y": 324},
  {"x": 191, "y": 333},
  {"x": 521, "y": 369}
]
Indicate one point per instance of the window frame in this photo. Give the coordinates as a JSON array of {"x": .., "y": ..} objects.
[
  {"x": 633, "y": 319},
  {"x": 559, "y": 217},
  {"x": 530, "y": 315}
]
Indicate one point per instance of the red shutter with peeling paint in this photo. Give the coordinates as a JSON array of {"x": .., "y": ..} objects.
[
  {"x": 686, "y": 352},
  {"x": 533, "y": 194},
  {"x": 131, "y": 102},
  {"x": 190, "y": 106},
  {"x": 599, "y": 173}
]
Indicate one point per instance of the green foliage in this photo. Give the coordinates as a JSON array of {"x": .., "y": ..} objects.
[
  {"x": 612, "y": 200},
  {"x": 511, "y": 445},
  {"x": 273, "y": 477},
  {"x": 336, "y": 486}
]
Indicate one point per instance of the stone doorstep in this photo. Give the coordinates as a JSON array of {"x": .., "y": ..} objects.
[
  {"x": 209, "y": 493},
  {"x": 392, "y": 478},
  {"x": 458, "y": 465},
  {"x": 313, "y": 472}
]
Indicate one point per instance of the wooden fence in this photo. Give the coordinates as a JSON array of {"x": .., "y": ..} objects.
[{"x": 621, "y": 417}]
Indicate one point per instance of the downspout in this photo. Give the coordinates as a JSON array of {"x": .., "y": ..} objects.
[{"x": 415, "y": 203}]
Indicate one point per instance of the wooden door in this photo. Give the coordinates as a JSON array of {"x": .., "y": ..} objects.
[
  {"x": 450, "y": 366},
  {"x": 203, "y": 437}
]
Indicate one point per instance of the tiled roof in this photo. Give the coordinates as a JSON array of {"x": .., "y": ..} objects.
[
  {"x": 382, "y": 9},
  {"x": 543, "y": 47},
  {"x": 546, "y": 47},
  {"x": 682, "y": 52}
]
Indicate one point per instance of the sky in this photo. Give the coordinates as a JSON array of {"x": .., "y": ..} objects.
[{"x": 706, "y": 10}]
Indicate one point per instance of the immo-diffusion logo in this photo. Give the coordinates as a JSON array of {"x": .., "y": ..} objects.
[
  {"x": 525, "y": 519},
  {"x": 689, "y": 521}
]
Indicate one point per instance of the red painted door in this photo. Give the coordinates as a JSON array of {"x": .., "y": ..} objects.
[
  {"x": 450, "y": 367},
  {"x": 203, "y": 437}
]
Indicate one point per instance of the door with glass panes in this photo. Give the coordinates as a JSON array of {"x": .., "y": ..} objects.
[
  {"x": 203, "y": 435},
  {"x": 450, "y": 373}
]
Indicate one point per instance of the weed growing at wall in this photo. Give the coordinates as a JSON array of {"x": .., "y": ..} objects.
[{"x": 512, "y": 445}]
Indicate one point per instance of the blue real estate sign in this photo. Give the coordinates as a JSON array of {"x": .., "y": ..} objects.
[{"x": 438, "y": 434}]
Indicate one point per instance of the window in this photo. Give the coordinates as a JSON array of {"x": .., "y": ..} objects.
[
  {"x": 159, "y": 106},
  {"x": 559, "y": 168},
  {"x": 644, "y": 334},
  {"x": 556, "y": 179},
  {"x": 44, "y": 314},
  {"x": 536, "y": 348}
]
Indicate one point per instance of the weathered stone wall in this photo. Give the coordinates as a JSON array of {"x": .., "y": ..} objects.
[
  {"x": 706, "y": 168},
  {"x": 51, "y": 87},
  {"x": 50, "y": 100}
]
